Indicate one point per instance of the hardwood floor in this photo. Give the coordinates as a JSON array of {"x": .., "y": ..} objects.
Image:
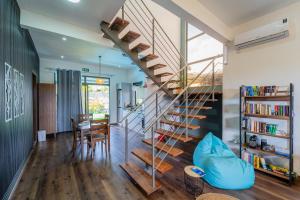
[{"x": 52, "y": 173}]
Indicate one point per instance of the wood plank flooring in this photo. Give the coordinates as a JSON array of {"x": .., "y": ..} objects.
[{"x": 52, "y": 173}]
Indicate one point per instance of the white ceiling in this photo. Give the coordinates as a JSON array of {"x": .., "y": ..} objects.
[
  {"x": 51, "y": 45},
  {"x": 87, "y": 13},
  {"x": 235, "y": 12}
]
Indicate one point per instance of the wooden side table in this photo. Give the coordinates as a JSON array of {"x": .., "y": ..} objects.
[{"x": 193, "y": 181}]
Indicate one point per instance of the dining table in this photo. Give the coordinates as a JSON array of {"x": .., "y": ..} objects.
[{"x": 84, "y": 128}]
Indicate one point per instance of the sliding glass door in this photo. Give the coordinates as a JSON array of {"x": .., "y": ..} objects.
[{"x": 95, "y": 96}]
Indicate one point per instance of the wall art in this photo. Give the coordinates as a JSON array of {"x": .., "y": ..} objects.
[{"x": 8, "y": 92}]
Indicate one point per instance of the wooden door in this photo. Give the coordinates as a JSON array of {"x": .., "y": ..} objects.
[{"x": 47, "y": 108}]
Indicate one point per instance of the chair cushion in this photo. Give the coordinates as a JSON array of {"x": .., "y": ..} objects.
[{"x": 223, "y": 168}]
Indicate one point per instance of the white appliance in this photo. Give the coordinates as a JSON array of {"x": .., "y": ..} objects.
[
  {"x": 269, "y": 32},
  {"x": 124, "y": 99},
  {"x": 42, "y": 135}
]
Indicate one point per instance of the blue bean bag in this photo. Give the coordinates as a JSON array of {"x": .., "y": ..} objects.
[{"x": 223, "y": 168}]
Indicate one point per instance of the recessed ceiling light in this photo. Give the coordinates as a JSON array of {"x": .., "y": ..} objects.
[
  {"x": 64, "y": 38},
  {"x": 62, "y": 57},
  {"x": 74, "y": 1}
]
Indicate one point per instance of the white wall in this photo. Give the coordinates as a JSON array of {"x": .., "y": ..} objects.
[
  {"x": 275, "y": 63},
  {"x": 117, "y": 75},
  {"x": 201, "y": 17},
  {"x": 141, "y": 22},
  {"x": 164, "y": 17}
]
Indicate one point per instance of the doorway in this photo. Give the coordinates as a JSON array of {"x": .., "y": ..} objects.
[
  {"x": 95, "y": 96},
  {"x": 34, "y": 108}
]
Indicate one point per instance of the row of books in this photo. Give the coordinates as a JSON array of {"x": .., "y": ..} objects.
[
  {"x": 263, "y": 90},
  {"x": 261, "y": 127},
  {"x": 265, "y": 109},
  {"x": 253, "y": 159},
  {"x": 259, "y": 162}
]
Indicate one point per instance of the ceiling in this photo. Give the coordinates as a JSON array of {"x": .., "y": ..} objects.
[
  {"x": 87, "y": 13},
  {"x": 51, "y": 45},
  {"x": 235, "y": 12}
]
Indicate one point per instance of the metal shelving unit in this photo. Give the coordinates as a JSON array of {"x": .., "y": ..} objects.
[{"x": 243, "y": 132}]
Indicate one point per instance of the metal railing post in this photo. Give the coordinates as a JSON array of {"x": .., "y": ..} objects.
[
  {"x": 156, "y": 109},
  {"x": 186, "y": 105},
  {"x": 126, "y": 140},
  {"x": 153, "y": 35},
  {"x": 186, "y": 114},
  {"x": 153, "y": 158},
  {"x": 123, "y": 14},
  {"x": 213, "y": 79}
]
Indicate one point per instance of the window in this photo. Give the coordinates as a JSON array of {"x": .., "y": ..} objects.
[
  {"x": 201, "y": 50},
  {"x": 95, "y": 96}
]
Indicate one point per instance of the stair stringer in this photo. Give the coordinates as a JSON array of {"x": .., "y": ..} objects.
[{"x": 114, "y": 36}]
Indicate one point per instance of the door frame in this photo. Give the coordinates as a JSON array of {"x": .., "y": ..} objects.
[
  {"x": 86, "y": 94},
  {"x": 35, "y": 107}
]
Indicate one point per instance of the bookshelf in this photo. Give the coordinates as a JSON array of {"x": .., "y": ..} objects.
[{"x": 266, "y": 129}]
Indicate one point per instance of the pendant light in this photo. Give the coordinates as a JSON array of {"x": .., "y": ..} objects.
[{"x": 100, "y": 80}]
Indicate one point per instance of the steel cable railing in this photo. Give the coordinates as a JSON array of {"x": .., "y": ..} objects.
[
  {"x": 142, "y": 18},
  {"x": 171, "y": 47},
  {"x": 183, "y": 102},
  {"x": 154, "y": 92},
  {"x": 166, "y": 35},
  {"x": 171, "y": 61},
  {"x": 185, "y": 89},
  {"x": 167, "y": 103},
  {"x": 152, "y": 27},
  {"x": 197, "y": 107}
]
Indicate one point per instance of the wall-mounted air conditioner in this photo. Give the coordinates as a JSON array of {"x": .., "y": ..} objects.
[{"x": 273, "y": 31}]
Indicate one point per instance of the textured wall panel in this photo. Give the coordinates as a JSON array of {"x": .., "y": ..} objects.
[{"x": 17, "y": 49}]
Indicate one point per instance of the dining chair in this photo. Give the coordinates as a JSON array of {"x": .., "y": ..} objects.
[
  {"x": 98, "y": 133},
  {"x": 76, "y": 135},
  {"x": 85, "y": 117}
]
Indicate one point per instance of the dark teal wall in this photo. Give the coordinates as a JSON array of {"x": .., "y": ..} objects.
[{"x": 17, "y": 49}]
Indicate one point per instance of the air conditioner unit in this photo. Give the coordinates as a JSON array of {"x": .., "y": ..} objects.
[{"x": 273, "y": 31}]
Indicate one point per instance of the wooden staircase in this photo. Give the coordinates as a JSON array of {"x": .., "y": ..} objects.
[
  {"x": 164, "y": 147},
  {"x": 115, "y": 32},
  {"x": 140, "y": 177}
]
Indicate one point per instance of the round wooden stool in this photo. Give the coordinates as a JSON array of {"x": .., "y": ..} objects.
[
  {"x": 193, "y": 181},
  {"x": 215, "y": 196}
]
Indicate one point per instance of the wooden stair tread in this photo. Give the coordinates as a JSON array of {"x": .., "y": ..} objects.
[
  {"x": 149, "y": 57},
  {"x": 140, "y": 177},
  {"x": 164, "y": 147},
  {"x": 175, "y": 136},
  {"x": 106, "y": 36},
  {"x": 140, "y": 47},
  {"x": 195, "y": 107},
  {"x": 130, "y": 36},
  {"x": 171, "y": 81},
  {"x": 204, "y": 100},
  {"x": 119, "y": 24},
  {"x": 146, "y": 157},
  {"x": 205, "y": 93},
  {"x": 175, "y": 87},
  {"x": 157, "y": 66},
  {"x": 180, "y": 124},
  {"x": 164, "y": 74},
  {"x": 189, "y": 115}
]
